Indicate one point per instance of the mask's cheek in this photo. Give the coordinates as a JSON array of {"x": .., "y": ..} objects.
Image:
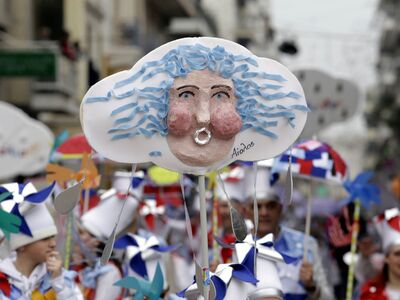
[
  {"x": 225, "y": 122},
  {"x": 179, "y": 120}
]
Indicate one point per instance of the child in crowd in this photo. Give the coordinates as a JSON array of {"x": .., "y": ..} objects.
[{"x": 35, "y": 270}]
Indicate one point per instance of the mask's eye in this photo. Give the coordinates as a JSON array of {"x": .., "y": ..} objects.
[
  {"x": 186, "y": 95},
  {"x": 221, "y": 95}
]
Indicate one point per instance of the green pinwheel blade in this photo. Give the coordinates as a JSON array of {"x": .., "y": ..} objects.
[
  {"x": 129, "y": 283},
  {"x": 157, "y": 285},
  {"x": 145, "y": 287},
  {"x": 138, "y": 296},
  {"x": 7, "y": 234},
  {"x": 3, "y": 196},
  {"x": 9, "y": 223},
  {"x": 142, "y": 287}
]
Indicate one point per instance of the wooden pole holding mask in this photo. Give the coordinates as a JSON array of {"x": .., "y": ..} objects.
[{"x": 204, "y": 238}]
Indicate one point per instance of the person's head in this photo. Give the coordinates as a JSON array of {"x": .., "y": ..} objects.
[
  {"x": 267, "y": 199},
  {"x": 39, "y": 232},
  {"x": 392, "y": 263},
  {"x": 90, "y": 241},
  {"x": 188, "y": 104},
  {"x": 39, "y": 251},
  {"x": 269, "y": 212},
  {"x": 387, "y": 226}
]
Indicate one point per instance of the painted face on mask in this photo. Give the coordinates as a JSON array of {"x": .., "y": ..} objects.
[{"x": 202, "y": 120}]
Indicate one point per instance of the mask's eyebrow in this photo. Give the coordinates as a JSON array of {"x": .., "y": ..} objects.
[
  {"x": 221, "y": 86},
  {"x": 187, "y": 86}
]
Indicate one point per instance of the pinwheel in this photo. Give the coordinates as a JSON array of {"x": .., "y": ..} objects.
[
  {"x": 87, "y": 177},
  {"x": 145, "y": 289},
  {"x": 150, "y": 209},
  {"x": 265, "y": 247},
  {"x": 162, "y": 188},
  {"x": 221, "y": 279},
  {"x": 19, "y": 193},
  {"x": 267, "y": 253},
  {"x": 9, "y": 223},
  {"x": 361, "y": 193},
  {"x": 141, "y": 249},
  {"x": 361, "y": 189},
  {"x": 87, "y": 173},
  {"x": 313, "y": 160}
]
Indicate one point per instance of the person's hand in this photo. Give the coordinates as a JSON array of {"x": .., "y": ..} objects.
[
  {"x": 213, "y": 265},
  {"x": 77, "y": 256},
  {"x": 306, "y": 274},
  {"x": 367, "y": 247},
  {"x": 54, "y": 264}
]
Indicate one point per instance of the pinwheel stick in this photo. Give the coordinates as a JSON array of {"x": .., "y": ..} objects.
[
  {"x": 204, "y": 238},
  {"x": 308, "y": 219},
  {"x": 86, "y": 200},
  {"x": 68, "y": 240},
  {"x": 215, "y": 227},
  {"x": 354, "y": 235}
]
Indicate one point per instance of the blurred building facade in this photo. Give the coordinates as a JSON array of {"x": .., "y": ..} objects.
[
  {"x": 54, "y": 50},
  {"x": 247, "y": 22},
  {"x": 384, "y": 104}
]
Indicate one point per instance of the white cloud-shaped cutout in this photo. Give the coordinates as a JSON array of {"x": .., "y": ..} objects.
[
  {"x": 25, "y": 143},
  {"x": 330, "y": 99},
  {"x": 124, "y": 115}
]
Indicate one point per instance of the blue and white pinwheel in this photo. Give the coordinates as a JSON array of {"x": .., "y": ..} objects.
[
  {"x": 221, "y": 279},
  {"x": 9, "y": 223},
  {"x": 20, "y": 193},
  {"x": 140, "y": 250},
  {"x": 265, "y": 247},
  {"x": 361, "y": 189},
  {"x": 151, "y": 290}
]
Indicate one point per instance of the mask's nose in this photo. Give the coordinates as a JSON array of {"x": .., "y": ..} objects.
[{"x": 203, "y": 111}]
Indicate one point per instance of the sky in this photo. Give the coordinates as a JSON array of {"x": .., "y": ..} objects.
[{"x": 339, "y": 37}]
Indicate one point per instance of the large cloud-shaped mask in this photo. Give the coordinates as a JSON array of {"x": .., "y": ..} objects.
[{"x": 195, "y": 105}]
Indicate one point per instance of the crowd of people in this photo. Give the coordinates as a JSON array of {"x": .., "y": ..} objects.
[{"x": 58, "y": 257}]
